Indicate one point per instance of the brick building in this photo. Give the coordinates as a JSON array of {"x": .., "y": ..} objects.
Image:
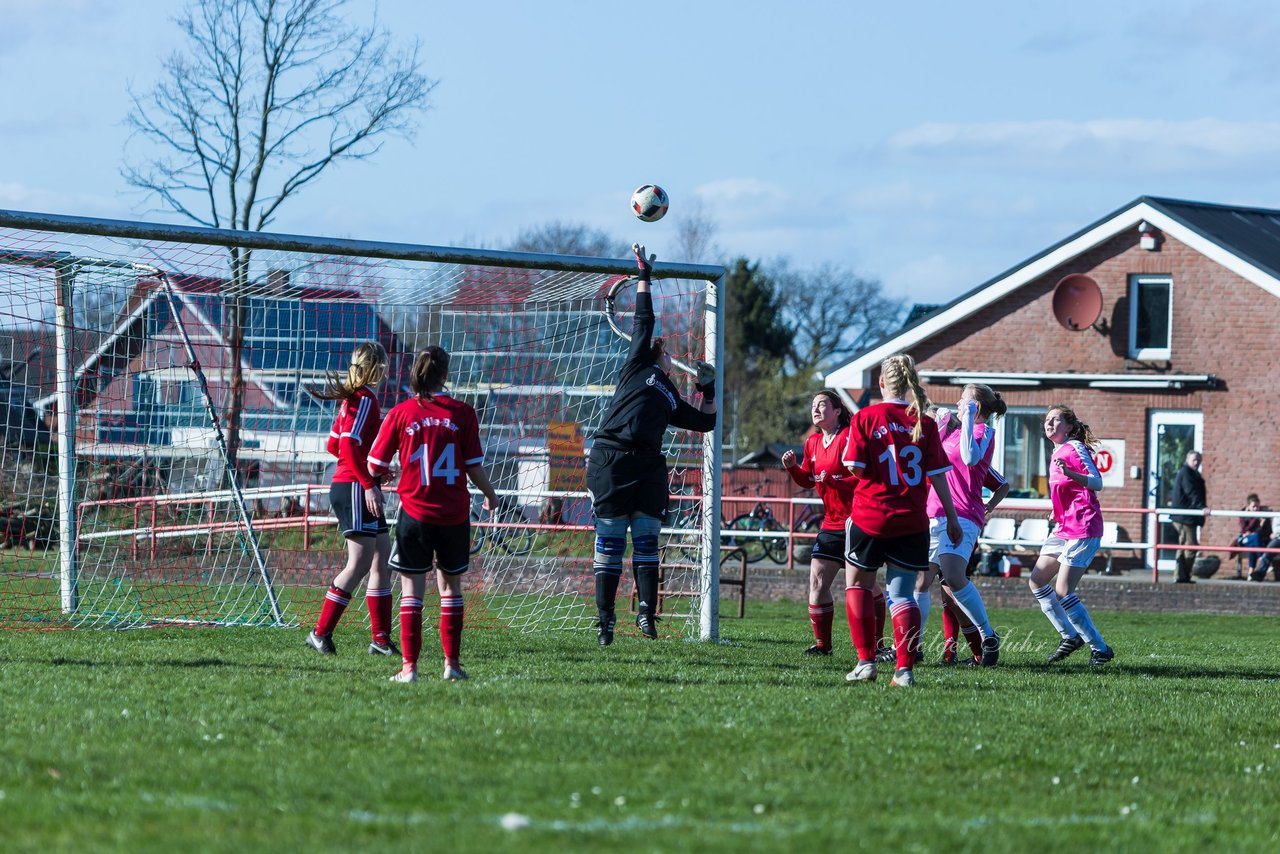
[{"x": 1185, "y": 353}]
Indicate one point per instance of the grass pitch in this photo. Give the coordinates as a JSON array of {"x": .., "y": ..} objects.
[{"x": 243, "y": 739}]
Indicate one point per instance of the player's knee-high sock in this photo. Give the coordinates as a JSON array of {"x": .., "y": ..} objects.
[
  {"x": 859, "y": 606},
  {"x": 1048, "y": 599},
  {"x": 880, "y": 608},
  {"x": 379, "y": 604},
  {"x": 924, "y": 602},
  {"x": 1081, "y": 622},
  {"x": 904, "y": 613},
  {"x": 969, "y": 600},
  {"x": 821, "y": 617},
  {"x": 950, "y": 629},
  {"x": 451, "y": 610},
  {"x": 906, "y": 631},
  {"x": 973, "y": 637},
  {"x": 607, "y": 564},
  {"x": 410, "y": 630},
  {"x": 336, "y": 601},
  {"x": 644, "y": 562}
]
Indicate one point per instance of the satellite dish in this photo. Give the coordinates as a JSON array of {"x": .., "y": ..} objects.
[{"x": 1077, "y": 301}]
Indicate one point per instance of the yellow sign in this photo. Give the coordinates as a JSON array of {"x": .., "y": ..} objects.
[{"x": 567, "y": 460}]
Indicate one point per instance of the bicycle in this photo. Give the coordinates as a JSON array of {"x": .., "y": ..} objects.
[
  {"x": 807, "y": 521},
  {"x": 761, "y": 519},
  {"x": 506, "y": 530}
]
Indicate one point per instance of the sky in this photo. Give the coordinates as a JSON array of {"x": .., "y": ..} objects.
[{"x": 930, "y": 145}]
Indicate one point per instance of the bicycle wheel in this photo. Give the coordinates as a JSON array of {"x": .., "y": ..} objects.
[
  {"x": 802, "y": 551},
  {"x": 775, "y": 547},
  {"x": 752, "y": 547}
]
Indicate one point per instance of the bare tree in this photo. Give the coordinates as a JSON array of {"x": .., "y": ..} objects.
[
  {"x": 695, "y": 234},
  {"x": 832, "y": 313},
  {"x": 263, "y": 97},
  {"x": 565, "y": 238}
]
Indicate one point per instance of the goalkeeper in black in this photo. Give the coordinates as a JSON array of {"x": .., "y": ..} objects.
[{"x": 626, "y": 471}]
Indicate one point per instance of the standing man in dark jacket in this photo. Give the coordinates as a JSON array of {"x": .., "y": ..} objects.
[{"x": 1188, "y": 494}]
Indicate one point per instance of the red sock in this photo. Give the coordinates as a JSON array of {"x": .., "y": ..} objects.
[
  {"x": 379, "y": 604},
  {"x": 879, "y": 617},
  {"x": 859, "y": 608},
  {"x": 950, "y": 630},
  {"x": 821, "y": 616},
  {"x": 451, "y": 608},
  {"x": 973, "y": 637},
  {"x": 335, "y": 603},
  {"x": 906, "y": 631},
  {"x": 410, "y": 630}
]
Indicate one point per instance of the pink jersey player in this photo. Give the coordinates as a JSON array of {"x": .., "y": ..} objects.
[{"x": 1074, "y": 482}]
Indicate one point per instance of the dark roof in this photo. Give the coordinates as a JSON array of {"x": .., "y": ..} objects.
[
  {"x": 769, "y": 456},
  {"x": 920, "y": 311},
  {"x": 1253, "y": 234}
]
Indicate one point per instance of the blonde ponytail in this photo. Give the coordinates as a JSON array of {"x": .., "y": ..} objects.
[
  {"x": 368, "y": 367},
  {"x": 900, "y": 376}
]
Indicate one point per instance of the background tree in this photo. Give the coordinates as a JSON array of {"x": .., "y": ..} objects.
[
  {"x": 564, "y": 238},
  {"x": 757, "y": 344},
  {"x": 832, "y": 313},
  {"x": 263, "y": 97}
]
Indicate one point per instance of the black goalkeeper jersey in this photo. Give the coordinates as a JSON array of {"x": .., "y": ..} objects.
[{"x": 646, "y": 401}]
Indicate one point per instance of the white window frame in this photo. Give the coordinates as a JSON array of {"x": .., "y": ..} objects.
[
  {"x": 1148, "y": 353},
  {"x": 1002, "y": 436}
]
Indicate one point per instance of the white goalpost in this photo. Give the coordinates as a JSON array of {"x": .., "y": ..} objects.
[{"x": 162, "y": 457}]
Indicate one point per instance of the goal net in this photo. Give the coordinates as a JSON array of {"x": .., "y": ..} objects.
[{"x": 162, "y": 455}]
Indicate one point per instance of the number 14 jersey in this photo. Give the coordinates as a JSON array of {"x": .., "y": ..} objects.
[
  {"x": 890, "y": 499},
  {"x": 437, "y": 440}
]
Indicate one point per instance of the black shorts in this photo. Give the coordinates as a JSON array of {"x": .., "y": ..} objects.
[
  {"x": 626, "y": 482},
  {"x": 347, "y": 501},
  {"x": 868, "y": 553},
  {"x": 423, "y": 546},
  {"x": 828, "y": 546}
]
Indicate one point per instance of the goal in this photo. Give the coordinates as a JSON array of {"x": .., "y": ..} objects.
[{"x": 162, "y": 455}]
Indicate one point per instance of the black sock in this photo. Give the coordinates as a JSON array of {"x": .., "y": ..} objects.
[
  {"x": 606, "y": 591},
  {"x": 646, "y": 587}
]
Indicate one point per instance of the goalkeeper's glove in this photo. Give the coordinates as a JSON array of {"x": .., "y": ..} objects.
[
  {"x": 706, "y": 380},
  {"x": 645, "y": 263}
]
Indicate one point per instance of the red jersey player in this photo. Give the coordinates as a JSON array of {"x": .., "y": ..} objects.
[
  {"x": 822, "y": 469},
  {"x": 356, "y": 499},
  {"x": 438, "y": 440},
  {"x": 892, "y": 449}
]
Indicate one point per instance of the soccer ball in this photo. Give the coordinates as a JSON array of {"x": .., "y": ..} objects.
[{"x": 650, "y": 202}]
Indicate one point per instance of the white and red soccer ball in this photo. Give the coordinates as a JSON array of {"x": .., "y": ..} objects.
[{"x": 650, "y": 202}]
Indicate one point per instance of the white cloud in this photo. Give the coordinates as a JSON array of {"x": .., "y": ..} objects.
[{"x": 1132, "y": 146}]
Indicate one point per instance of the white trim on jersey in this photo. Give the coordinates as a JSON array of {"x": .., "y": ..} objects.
[
  {"x": 377, "y": 462},
  {"x": 357, "y": 426}
]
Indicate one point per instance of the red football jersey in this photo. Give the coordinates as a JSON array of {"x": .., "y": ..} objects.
[
  {"x": 437, "y": 440},
  {"x": 823, "y": 469},
  {"x": 352, "y": 434},
  {"x": 890, "y": 500}
]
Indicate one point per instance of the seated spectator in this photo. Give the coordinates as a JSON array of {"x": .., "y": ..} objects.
[
  {"x": 1267, "y": 561},
  {"x": 1255, "y": 532}
]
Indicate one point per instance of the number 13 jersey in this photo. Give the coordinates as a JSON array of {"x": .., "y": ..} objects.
[
  {"x": 437, "y": 440},
  {"x": 890, "y": 499}
]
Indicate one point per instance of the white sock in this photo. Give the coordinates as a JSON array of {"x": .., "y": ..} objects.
[
  {"x": 923, "y": 602},
  {"x": 1083, "y": 624},
  {"x": 970, "y": 601},
  {"x": 1048, "y": 599}
]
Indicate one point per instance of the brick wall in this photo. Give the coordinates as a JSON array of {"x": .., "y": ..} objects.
[
  {"x": 1135, "y": 592},
  {"x": 1222, "y": 325}
]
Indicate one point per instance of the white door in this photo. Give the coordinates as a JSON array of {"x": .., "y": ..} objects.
[{"x": 1170, "y": 435}]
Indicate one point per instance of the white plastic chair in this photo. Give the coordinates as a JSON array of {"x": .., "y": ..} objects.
[
  {"x": 1033, "y": 530},
  {"x": 1000, "y": 528}
]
